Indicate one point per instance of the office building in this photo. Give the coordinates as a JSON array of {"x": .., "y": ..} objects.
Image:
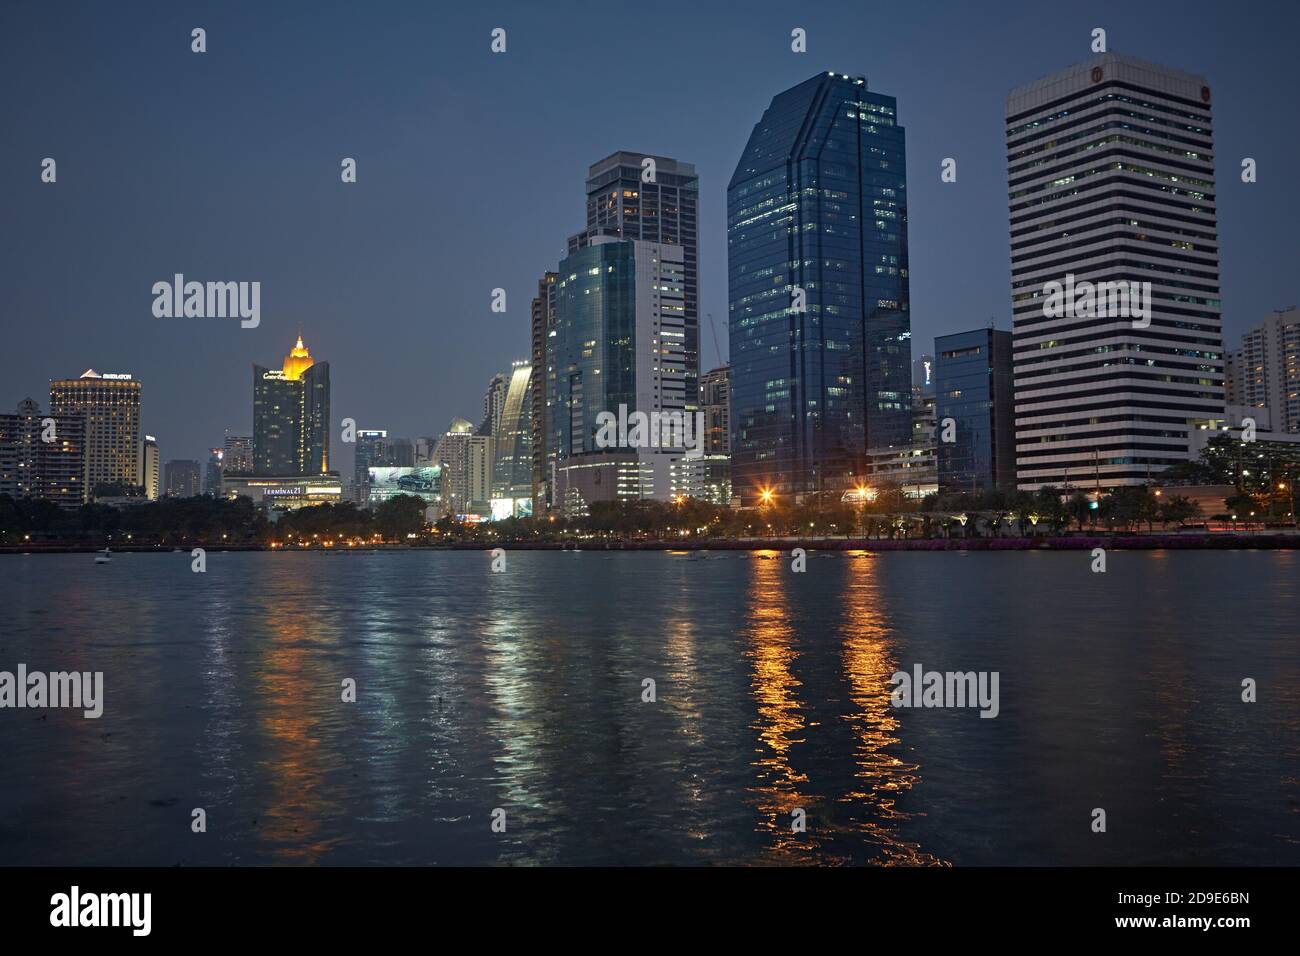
[
  {"x": 715, "y": 403},
  {"x": 181, "y": 478},
  {"x": 513, "y": 447},
  {"x": 653, "y": 199},
  {"x": 212, "y": 472},
  {"x": 1114, "y": 271},
  {"x": 542, "y": 385},
  {"x": 819, "y": 304},
  {"x": 975, "y": 407},
  {"x": 704, "y": 478},
  {"x": 494, "y": 400},
  {"x": 617, "y": 348}
]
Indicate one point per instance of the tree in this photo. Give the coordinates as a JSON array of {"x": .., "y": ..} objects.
[
  {"x": 1241, "y": 505},
  {"x": 399, "y": 517},
  {"x": 1179, "y": 509},
  {"x": 1079, "y": 508}
]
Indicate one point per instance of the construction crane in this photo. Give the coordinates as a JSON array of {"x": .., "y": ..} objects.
[{"x": 713, "y": 329}]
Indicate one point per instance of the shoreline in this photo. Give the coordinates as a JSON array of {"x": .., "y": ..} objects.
[{"x": 1122, "y": 541}]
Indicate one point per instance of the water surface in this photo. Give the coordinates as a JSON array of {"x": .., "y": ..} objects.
[{"x": 523, "y": 691}]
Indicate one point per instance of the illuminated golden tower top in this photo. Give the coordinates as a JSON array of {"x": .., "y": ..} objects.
[{"x": 297, "y": 361}]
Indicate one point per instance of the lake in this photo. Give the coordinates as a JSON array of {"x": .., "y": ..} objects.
[{"x": 524, "y": 692}]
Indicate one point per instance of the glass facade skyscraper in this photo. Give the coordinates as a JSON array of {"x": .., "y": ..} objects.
[
  {"x": 593, "y": 348},
  {"x": 616, "y": 347},
  {"x": 623, "y": 203},
  {"x": 818, "y": 205},
  {"x": 975, "y": 388},
  {"x": 513, "y": 467}
]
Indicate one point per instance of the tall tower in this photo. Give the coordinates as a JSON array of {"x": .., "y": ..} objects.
[
  {"x": 715, "y": 403},
  {"x": 110, "y": 403},
  {"x": 1267, "y": 369},
  {"x": 1110, "y": 168},
  {"x": 150, "y": 466},
  {"x": 513, "y": 444},
  {"x": 494, "y": 400},
  {"x": 818, "y": 289},
  {"x": 291, "y": 416},
  {"x": 654, "y": 198},
  {"x": 617, "y": 348},
  {"x": 540, "y": 383}
]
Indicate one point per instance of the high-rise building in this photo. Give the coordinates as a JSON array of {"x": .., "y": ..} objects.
[
  {"x": 400, "y": 452},
  {"x": 1111, "y": 186},
  {"x": 513, "y": 443},
  {"x": 43, "y": 456},
  {"x": 715, "y": 403},
  {"x": 655, "y": 199},
  {"x": 464, "y": 460},
  {"x": 542, "y": 384},
  {"x": 368, "y": 450},
  {"x": 704, "y": 478},
  {"x": 150, "y": 468},
  {"x": 181, "y": 478},
  {"x": 374, "y": 448},
  {"x": 494, "y": 400},
  {"x": 422, "y": 451},
  {"x": 110, "y": 404},
  {"x": 291, "y": 416},
  {"x": 1265, "y": 370},
  {"x": 975, "y": 406},
  {"x": 617, "y": 348},
  {"x": 819, "y": 305},
  {"x": 238, "y": 454},
  {"x": 213, "y": 471}
]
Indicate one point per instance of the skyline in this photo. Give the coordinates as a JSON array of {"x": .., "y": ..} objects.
[{"x": 409, "y": 367}]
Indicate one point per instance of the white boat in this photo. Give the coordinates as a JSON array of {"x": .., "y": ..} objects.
[{"x": 103, "y": 557}]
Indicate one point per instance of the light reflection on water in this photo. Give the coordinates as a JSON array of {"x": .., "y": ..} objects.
[{"x": 523, "y": 691}]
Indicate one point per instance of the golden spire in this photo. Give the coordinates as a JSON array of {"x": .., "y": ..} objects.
[{"x": 297, "y": 361}]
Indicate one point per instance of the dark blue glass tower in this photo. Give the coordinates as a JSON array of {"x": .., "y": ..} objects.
[{"x": 818, "y": 202}]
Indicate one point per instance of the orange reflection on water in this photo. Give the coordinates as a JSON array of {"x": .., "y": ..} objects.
[
  {"x": 291, "y": 819},
  {"x": 781, "y": 721},
  {"x": 880, "y": 775}
]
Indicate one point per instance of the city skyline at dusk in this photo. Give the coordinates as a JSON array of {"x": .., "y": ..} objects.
[
  {"x": 614, "y": 436},
  {"x": 412, "y": 298}
]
